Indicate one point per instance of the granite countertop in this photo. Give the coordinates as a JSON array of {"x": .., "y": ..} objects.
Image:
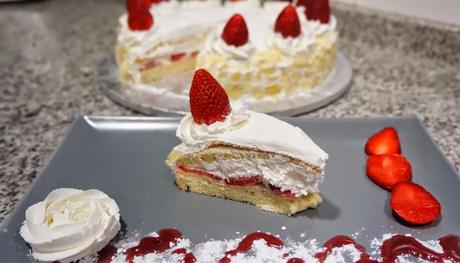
[{"x": 49, "y": 52}]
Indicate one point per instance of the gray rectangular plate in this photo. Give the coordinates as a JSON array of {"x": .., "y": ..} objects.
[{"x": 124, "y": 157}]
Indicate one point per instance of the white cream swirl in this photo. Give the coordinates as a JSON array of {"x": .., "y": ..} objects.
[
  {"x": 70, "y": 224},
  {"x": 216, "y": 45},
  {"x": 319, "y": 28},
  {"x": 290, "y": 45},
  {"x": 197, "y": 135}
]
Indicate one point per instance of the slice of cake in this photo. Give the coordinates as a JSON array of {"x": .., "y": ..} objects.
[{"x": 244, "y": 155}]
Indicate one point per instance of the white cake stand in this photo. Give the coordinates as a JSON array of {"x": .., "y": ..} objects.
[{"x": 170, "y": 95}]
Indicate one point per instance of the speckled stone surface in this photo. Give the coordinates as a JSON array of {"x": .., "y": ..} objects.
[{"x": 49, "y": 51}]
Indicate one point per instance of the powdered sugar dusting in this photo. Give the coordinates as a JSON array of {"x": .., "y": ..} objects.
[
  {"x": 347, "y": 253},
  {"x": 213, "y": 250}
]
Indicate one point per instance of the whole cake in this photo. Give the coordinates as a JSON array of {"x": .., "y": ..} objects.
[
  {"x": 244, "y": 155},
  {"x": 269, "y": 52}
]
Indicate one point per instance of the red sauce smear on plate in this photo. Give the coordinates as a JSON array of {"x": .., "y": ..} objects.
[
  {"x": 340, "y": 241},
  {"x": 246, "y": 244},
  {"x": 389, "y": 251},
  {"x": 166, "y": 239}
]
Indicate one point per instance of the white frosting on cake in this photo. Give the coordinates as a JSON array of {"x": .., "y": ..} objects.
[
  {"x": 253, "y": 130},
  {"x": 70, "y": 224},
  {"x": 216, "y": 45}
]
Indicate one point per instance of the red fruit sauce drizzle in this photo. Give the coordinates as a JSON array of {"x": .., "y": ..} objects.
[
  {"x": 389, "y": 251},
  {"x": 340, "y": 241},
  {"x": 165, "y": 240},
  {"x": 242, "y": 181},
  {"x": 246, "y": 244}
]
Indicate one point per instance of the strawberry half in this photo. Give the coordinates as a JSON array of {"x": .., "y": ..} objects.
[
  {"x": 140, "y": 20},
  {"x": 316, "y": 10},
  {"x": 288, "y": 23},
  {"x": 208, "y": 100},
  {"x": 235, "y": 31},
  {"x": 385, "y": 141},
  {"x": 387, "y": 170},
  {"x": 414, "y": 204}
]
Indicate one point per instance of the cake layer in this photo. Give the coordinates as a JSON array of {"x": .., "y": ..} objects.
[
  {"x": 258, "y": 195},
  {"x": 235, "y": 164}
]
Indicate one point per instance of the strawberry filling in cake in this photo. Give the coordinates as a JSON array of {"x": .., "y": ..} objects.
[
  {"x": 240, "y": 181},
  {"x": 242, "y": 155}
]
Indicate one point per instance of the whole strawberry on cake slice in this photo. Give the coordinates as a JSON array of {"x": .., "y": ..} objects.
[{"x": 243, "y": 155}]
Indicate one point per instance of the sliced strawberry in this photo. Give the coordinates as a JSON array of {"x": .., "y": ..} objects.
[
  {"x": 138, "y": 5},
  {"x": 386, "y": 170},
  {"x": 288, "y": 23},
  {"x": 385, "y": 141},
  {"x": 235, "y": 31},
  {"x": 140, "y": 20},
  {"x": 208, "y": 100},
  {"x": 414, "y": 204},
  {"x": 316, "y": 10}
]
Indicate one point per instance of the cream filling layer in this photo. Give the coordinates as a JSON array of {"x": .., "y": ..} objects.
[{"x": 275, "y": 171}]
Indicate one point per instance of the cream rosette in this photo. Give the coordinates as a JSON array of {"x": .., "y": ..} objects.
[{"x": 70, "y": 224}]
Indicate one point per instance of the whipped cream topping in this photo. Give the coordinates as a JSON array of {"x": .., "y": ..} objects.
[
  {"x": 294, "y": 45},
  {"x": 291, "y": 45},
  {"x": 70, "y": 224},
  {"x": 319, "y": 29},
  {"x": 252, "y": 130},
  {"x": 215, "y": 44}
]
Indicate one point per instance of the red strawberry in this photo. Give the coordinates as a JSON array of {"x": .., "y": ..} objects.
[
  {"x": 385, "y": 141},
  {"x": 386, "y": 170},
  {"x": 414, "y": 204},
  {"x": 288, "y": 23},
  {"x": 140, "y": 20},
  {"x": 208, "y": 100},
  {"x": 316, "y": 10},
  {"x": 235, "y": 32},
  {"x": 138, "y": 5}
]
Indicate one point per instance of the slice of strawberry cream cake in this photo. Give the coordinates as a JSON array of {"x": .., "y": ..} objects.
[{"x": 243, "y": 155}]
